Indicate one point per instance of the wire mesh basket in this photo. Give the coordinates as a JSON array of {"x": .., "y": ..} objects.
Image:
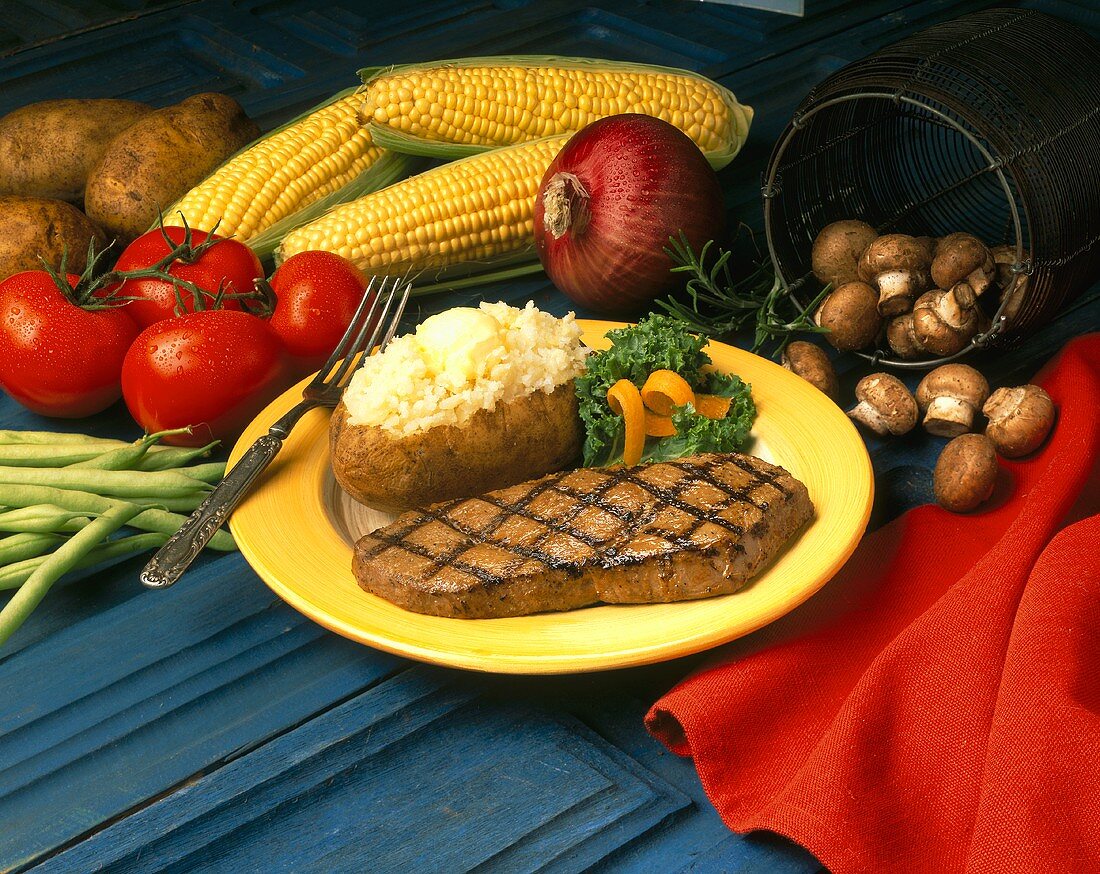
[{"x": 988, "y": 124}]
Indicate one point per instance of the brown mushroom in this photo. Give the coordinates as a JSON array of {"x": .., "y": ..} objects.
[
  {"x": 950, "y": 396},
  {"x": 1004, "y": 257},
  {"x": 902, "y": 338},
  {"x": 963, "y": 258},
  {"x": 1012, "y": 294},
  {"x": 1019, "y": 419},
  {"x": 965, "y": 473},
  {"x": 1014, "y": 299},
  {"x": 929, "y": 244},
  {"x": 810, "y": 361},
  {"x": 851, "y": 315},
  {"x": 945, "y": 321},
  {"x": 836, "y": 250},
  {"x": 896, "y": 265},
  {"x": 885, "y": 405}
]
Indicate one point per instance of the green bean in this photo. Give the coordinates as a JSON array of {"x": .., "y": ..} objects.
[
  {"x": 174, "y": 457},
  {"x": 207, "y": 473},
  {"x": 42, "y": 519},
  {"x": 135, "y": 456},
  {"x": 21, "y": 546},
  {"x": 125, "y": 457},
  {"x": 47, "y": 454},
  {"x": 63, "y": 559},
  {"x": 11, "y": 436},
  {"x": 118, "y": 483},
  {"x": 160, "y": 521},
  {"x": 14, "y": 575},
  {"x": 175, "y": 505}
]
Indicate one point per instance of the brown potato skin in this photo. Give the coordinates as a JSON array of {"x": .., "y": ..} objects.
[
  {"x": 33, "y": 226},
  {"x": 520, "y": 440},
  {"x": 155, "y": 161},
  {"x": 47, "y": 149}
]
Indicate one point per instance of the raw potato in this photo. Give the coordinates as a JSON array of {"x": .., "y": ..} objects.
[
  {"x": 47, "y": 149},
  {"x": 158, "y": 159},
  {"x": 33, "y": 226},
  {"x": 530, "y": 436}
]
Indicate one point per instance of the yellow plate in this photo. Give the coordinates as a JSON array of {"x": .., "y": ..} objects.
[{"x": 296, "y": 528}]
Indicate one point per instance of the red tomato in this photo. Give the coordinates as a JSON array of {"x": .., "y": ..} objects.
[
  {"x": 214, "y": 369},
  {"x": 317, "y": 293},
  {"x": 228, "y": 261},
  {"x": 56, "y": 358}
]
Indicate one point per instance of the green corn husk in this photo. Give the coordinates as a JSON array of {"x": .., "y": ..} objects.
[
  {"x": 451, "y": 277},
  {"x": 388, "y": 169},
  {"x": 398, "y": 141}
]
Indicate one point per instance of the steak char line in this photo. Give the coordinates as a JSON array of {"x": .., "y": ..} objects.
[{"x": 671, "y": 531}]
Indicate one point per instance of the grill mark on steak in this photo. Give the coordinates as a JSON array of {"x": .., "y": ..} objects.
[{"x": 483, "y": 548}]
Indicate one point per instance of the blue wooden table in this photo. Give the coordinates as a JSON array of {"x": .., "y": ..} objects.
[{"x": 210, "y": 727}]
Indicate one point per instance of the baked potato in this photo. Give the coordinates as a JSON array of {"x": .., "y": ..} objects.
[
  {"x": 518, "y": 440},
  {"x": 34, "y": 226},
  {"x": 47, "y": 149},
  {"x": 158, "y": 159}
]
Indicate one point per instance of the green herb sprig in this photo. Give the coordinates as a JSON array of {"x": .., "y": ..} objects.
[{"x": 719, "y": 305}]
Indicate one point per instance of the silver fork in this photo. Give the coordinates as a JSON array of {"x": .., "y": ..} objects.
[{"x": 324, "y": 390}]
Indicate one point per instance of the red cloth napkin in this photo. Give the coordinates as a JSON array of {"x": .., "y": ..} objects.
[{"x": 937, "y": 706}]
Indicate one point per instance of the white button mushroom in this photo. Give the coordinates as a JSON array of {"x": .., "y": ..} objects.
[
  {"x": 836, "y": 250},
  {"x": 1019, "y": 419},
  {"x": 884, "y": 405},
  {"x": 950, "y": 396},
  {"x": 809, "y": 361},
  {"x": 965, "y": 473},
  {"x": 896, "y": 265}
]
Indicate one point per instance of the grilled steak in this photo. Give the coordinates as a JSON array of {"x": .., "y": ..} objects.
[{"x": 682, "y": 529}]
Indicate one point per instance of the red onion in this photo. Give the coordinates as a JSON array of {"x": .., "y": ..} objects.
[{"x": 609, "y": 203}]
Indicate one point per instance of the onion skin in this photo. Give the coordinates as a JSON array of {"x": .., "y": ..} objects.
[{"x": 610, "y": 201}]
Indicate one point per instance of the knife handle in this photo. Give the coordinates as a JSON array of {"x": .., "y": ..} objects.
[{"x": 183, "y": 547}]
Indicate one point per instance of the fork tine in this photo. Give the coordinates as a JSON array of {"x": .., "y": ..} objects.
[
  {"x": 368, "y": 303},
  {"x": 366, "y": 336},
  {"x": 396, "y": 320},
  {"x": 382, "y": 328}
]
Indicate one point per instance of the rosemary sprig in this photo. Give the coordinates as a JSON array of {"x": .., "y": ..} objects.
[{"x": 719, "y": 305}]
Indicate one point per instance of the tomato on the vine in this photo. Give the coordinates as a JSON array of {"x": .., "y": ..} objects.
[
  {"x": 226, "y": 264},
  {"x": 212, "y": 369},
  {"x": 57, "y": 357},
  {"x": 317, "y": 294}
]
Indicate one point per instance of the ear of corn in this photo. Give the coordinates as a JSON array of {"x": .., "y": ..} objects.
[
  {"x": 292, "y": 175},
  {"x": 472, "y": 216},
  {"x": 461, "y": 107}
]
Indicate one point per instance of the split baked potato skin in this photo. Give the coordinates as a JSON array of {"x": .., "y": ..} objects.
[{"x": 523, "y": 439}]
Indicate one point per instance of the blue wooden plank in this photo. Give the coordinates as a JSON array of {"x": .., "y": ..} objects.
[
  {"x": 110, "y": 711},
  {"x": 553, "y": 798},
  {"x": 27, "y": 23}
]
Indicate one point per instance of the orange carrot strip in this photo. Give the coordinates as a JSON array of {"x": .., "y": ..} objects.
[
  {"x": 625, "y": 400},
  {"x": 712, "y": 406},
  {"x": 658, "y": 426},
  {"x": 664, "y": 390}
]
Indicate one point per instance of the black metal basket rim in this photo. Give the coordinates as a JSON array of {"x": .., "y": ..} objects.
[{"x": 770, "y": 190}]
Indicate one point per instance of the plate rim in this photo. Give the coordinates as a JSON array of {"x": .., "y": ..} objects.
[{"x": 547, "y": 664}]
